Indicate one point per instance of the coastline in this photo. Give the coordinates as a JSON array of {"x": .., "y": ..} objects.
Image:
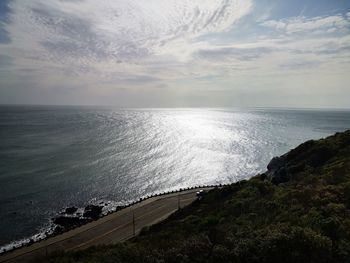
[
  {"x": 48, "y": 240},
  {"x": 51, "y": 231},
  {"x": 297, "y": 211},
  {"x": 68, "y": 172},
  {"x": 119, "y": 226}
]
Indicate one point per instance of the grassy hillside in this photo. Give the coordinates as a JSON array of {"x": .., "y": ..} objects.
[{"x": 299, "y": 211}]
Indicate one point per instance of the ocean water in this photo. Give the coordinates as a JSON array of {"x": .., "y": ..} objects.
[{"x": 54, "y": 157}]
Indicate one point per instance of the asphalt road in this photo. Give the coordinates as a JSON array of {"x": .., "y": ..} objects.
[{"x": 110, "y": 229}]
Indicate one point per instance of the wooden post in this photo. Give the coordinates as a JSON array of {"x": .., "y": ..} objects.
[{"x": 178, "y": 202}]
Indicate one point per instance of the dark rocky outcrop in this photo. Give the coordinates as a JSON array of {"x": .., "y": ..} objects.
[
  {"x": 70, "y": 210},
  {"x": 68, "y": 222},
  {"x": 57, "y": 230},
  {"x": 309, "y": 155},
  {"x": 93, "y": 211},
  {"x": 276, "y": 170}
]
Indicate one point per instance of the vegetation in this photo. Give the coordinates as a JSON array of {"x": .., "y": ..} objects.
[{"x": 303, "y": 218}]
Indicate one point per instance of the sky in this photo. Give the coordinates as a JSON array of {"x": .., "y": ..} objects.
[{"x": 176, "y": 53}]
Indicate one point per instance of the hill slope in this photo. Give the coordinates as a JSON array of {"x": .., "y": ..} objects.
[{"x": 298, "y": 211}]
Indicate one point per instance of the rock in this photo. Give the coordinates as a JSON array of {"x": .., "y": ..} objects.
[
  {"x": 263, "y": 176},
  {"x": 310, "y": 154},
  {"x": 275, "y": 163},
  {"x": 276, "y": 171},
  {"x": 31, "y": 241},
  {"x": 71, "y": 210},
  {"x": 57, "y": 230},
  {"x": 68, "y": 222},
  {"x": 93, "y": 211}
]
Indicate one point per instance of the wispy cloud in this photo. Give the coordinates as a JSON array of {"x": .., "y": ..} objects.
[
  {"x": 233, "y": 53},
  {"x": 118, "y": 30},
  {"x": 300, "y": 24},
  {"x": 4, "y": 19},
  {"x": 125, "y": 48}
]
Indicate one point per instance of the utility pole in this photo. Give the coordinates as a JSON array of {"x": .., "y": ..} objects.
[{"x": 133, "y": 222}]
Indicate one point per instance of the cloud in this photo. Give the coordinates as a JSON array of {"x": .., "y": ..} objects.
[
  {"x": 5, "y": 61},
  {"x": 300, "y": 65},
  {"x": 304, "y": 25},
  {"x": 118, "y": 30},
  {"x": 4, "y": 19},
  {"x": 125, "y": 49},
  {"x": 230, "y": 53}
]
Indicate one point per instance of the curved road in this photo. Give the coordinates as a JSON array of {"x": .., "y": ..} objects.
[{"x": 113, "y": 228}]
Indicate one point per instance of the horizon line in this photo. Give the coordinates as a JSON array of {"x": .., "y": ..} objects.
[{"x": 172, "y": 107}]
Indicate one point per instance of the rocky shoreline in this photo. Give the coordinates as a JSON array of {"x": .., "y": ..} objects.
[
  {"x": 312, "y": 154},
  {"x": 73, "y": 217},
  {"x": 279, "y": 170}
]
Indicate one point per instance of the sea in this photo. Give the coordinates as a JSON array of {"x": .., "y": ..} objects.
[{"x": 53, "y": 157}]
